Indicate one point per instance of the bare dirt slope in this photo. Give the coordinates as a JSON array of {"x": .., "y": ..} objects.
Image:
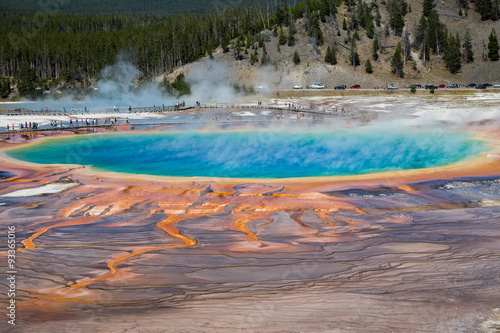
[{"x": 283, "y": 73}]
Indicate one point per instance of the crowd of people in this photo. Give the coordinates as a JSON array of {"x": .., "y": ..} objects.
[
  {"x": 33, "y": 126},
  {"x": 26, "y": 126},
  {"x": 294, "y": 106}
]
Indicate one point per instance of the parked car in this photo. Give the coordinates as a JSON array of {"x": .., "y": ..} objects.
[
  {"x": 471, "y": 85},
  {"x": 430, "y": 86},
  {"x": 392, "y": 87},
  {"x": 487, "y": 84},
  {"x": 481, "y": 86},
  {"x": 317, "y": 86},
  {"x": 341, "y": 87},
  {"x": 297, "y": 86},
  {"x": 496, "y": 85},
  {"x": 453, "y": 85},
  {"x": 441, "y": 86},
  {"x": 356, "y": 86}
]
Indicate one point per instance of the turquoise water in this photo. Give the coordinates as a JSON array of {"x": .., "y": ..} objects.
[{"x": 256, "y": 154}]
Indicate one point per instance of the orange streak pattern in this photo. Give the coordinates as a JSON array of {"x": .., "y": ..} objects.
[
  {"x": 323, "y": 216},
  {"x": 166, "y": 225},
  {"x": 29, "y": 244}
]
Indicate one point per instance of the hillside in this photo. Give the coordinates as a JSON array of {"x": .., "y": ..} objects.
[
  {"x": 256, "y": 46},
  {"x": 283, "y": 73}
]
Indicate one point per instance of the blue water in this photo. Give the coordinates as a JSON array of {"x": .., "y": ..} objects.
[{"x": 256, "y": 154}]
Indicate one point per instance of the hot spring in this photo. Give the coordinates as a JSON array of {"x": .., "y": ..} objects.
[{"x": 256, "y": 153}]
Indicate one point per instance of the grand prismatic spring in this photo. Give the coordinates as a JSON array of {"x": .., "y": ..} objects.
[
  {"x": 258, "y": 223},
  {"x": 256, "y": 154}
]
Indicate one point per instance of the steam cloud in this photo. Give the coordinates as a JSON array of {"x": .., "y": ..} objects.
[{"x": 118, "y": 85}]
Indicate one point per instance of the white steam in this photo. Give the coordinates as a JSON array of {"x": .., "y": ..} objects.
[
  {"x": 120, "y": 85},
  {"x": 210, "y": 82}
]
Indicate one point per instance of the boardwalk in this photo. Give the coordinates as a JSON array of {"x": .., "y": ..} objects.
[
  {"x": 148, "y": 109},
  {"x": 91, "y": 111},
  {"x": 120, "y": 112}
]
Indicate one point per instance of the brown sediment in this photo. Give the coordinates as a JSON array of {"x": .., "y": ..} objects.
[
  {"x": 257, "y": 260},
  {"x": 166, "y": 225},
  {"x": 242, "y": 219},
  {"x": 28, "y": 242}
]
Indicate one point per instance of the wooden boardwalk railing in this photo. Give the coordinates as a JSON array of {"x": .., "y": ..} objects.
[{"x": 92, "y": 112}]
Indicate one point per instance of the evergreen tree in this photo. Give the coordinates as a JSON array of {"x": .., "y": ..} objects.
[
  {"x": 375, "y": 49},
  {"x": 286, "y": 18},
  {"x": 495, "y": 12},
  {"x": 296, "y": 58},
  {"x": 493, "y": 46},
  {"x": 368, "y": 66},
  {"x": 291, "y": 34},
  {"x": 290, "y": 39},
  {"x": 181, "y": 85},
  {"x": 27, "y": 81},
  {"x": 166, "y": 86},
  {"x": 357, "y": 62},
  {"x": 425, "y": 51},
  {"x": 452, "y": 57},
  {"x": 237, "y": 50},
  {"x": 437, "y": 33},
  {"x": 265, "y": 57},
  {"x": 344, "y": 24},
  {"x": 428, "y": 6},
  {"x": 421, "y": 30},
  {"x": 485, "y": 8},
  {"x": 330, "y": 56},
  {"x": 397, "y": 10},
  {"x": 327, "y": 55},
  {"x": 225, "y": 44},
  {"x": 4, "y": 87},
  {"x": 397, "y": 62},
  {"x": 369, "y": 27},
  {"x": 282, "y": 38},
  {"x": 489, "y": 9},
  {"x": 280, "y": 14},
  {"x": 325, "y": 10},
  {"x": 354, "y": 59},
  {"x": 254, "y": 58},
  {"x": 314, "y": 30},
  {"x": 468, "y": 52}
]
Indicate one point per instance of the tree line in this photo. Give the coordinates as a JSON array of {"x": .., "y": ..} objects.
[
  {"x": 75, "y": 48},
  {"x": 127, "y": 7}
]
